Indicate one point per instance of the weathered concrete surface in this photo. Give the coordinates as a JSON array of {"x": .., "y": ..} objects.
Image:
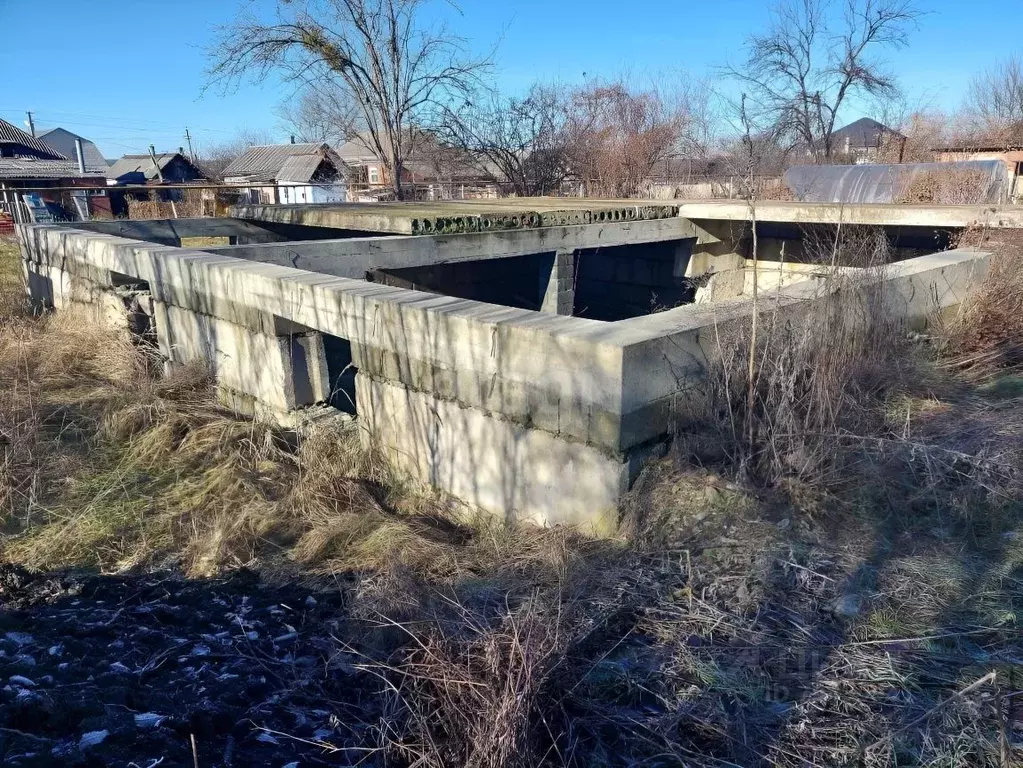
[
  {"x": 559, "y": 290},
  {"x": 665, "y": 354},
  {"x": 525, "y": 413},
  {"x": 460, "y": 216},
  {"x": 171, "y": 231},
  {"x": 354, "y": 257},
  {"x": 499, "y": 465},
  {"x": 770, "y": 275},
  {"x": 878, "y": 214}
]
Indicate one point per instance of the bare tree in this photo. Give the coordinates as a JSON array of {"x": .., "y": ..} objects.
[
  {"x": 322, "y": 114},
  {"x": 806, "y": 67},
  {"x": 214, "y": 158},
  {"x": 520, "y": 140},
  {"x": 755, "y": 154},
  {"x": 995, "y": 98},
  {"x": 394, "y": 68},
  {"x": 617, "y": 134}
]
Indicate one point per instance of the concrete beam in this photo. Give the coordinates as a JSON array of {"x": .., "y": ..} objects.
[
  {"x": 353, "y": 257},
  {"x": 170, "y": 231},
  {"x": 460, "y": 216},
  {"x": 875, "y": 214}
]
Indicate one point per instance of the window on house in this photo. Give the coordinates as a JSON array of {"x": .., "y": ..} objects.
[{"x": 374, "y": 176}]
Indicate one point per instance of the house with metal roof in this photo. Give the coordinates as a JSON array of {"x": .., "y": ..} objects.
[
  {"x": 28, "y": 164},
  {"x": 290, "y": 173},
  {"x": 170, "y": 168},
  {"x": 64, "y": 142},
  {"x": 863, "y": 139}
]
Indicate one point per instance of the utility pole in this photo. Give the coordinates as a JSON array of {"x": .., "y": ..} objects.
[
  {"x": 188, "y": 138},
  {"x": 159, "y": 173},
  {"x": 31, "y": 125}
]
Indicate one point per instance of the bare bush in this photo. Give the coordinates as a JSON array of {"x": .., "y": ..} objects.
[
  {"x": 814, "y": 377},
  {"x": 807, "y": 402},
  {"x": 985, "y": 339},
  {"x": 468, "y": 691},
  {"x": 522, "y": 139},
  {"x": 946, "y": 186},
  {"x": 616, "y": 134},
  {"x": 152, "y": 207}
]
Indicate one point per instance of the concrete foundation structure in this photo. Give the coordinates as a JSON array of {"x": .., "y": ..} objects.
[{"x": 528, "y": 371}]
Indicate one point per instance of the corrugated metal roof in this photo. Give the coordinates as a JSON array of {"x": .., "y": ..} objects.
[
  {"x": 356, "y": 152},
  {"x": 34, "y": 168},
  {"x": 62, "y": 140},
  {"x": 299, "y": 168},
  {"x": 10, "y": 134},
  {"x": 139, "y": 164},
  {"x": 263, "y": 162}
]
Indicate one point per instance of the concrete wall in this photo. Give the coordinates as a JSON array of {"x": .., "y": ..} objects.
[
  {"x": 527, "y": 414},
  {"x": 631, "y": 280},
  {"x": 239, "y": 231},
  {"x": 353, "y": 257},
  {"x": 516, "y": 281}
]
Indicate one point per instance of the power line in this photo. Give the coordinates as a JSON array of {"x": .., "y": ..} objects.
[{"x": 109, "y": 121}]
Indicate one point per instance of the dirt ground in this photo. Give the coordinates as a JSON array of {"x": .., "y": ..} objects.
[{"x": 151, "y": 669}]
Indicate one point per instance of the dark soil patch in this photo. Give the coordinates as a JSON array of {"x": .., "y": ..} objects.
[{"x": 144, "y": 665}]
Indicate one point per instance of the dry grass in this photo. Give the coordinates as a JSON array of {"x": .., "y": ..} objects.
[
  {"x": 190, "y": 205},
  {"x": 107, "y": 465},
  {"x": 950, "y": 186},
  {"x": 985, "y": 339}
]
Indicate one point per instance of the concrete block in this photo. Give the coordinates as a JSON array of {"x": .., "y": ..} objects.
[
  {"x": 506, "y": 468},
  {"x": 596, "y": 266},
  {"x": 253, "y": 364},
  {"x": 643, "y": 272}
]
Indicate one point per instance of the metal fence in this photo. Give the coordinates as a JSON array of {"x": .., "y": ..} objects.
[{"x": 15, "y": 210}]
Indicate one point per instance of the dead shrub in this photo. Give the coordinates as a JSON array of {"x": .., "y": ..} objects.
[
  {"x": 151, "y": 207},
  {"x": 985, "y": 339},
  {"x": 784, "y": 390},
  {"x": 947, "y": 186},
  {"x": 467, "y": 691},
  {"x": 814, "y": 396}
]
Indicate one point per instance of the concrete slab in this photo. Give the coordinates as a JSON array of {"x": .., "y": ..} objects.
[
  {"x": 879, "y": 214},
  {"x": 450, "y": 217},
  {"x": 353, "y": 257}
]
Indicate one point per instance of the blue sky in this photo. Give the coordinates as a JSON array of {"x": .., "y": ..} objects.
[{"x": 128, "y": 73}]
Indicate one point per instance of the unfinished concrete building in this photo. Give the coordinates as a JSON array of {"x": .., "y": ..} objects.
[{"x": 524, "y": 355}]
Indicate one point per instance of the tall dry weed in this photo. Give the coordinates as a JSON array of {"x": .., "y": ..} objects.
[
  {"x": 817, "y": 398},
  {"x": 985, "y": 339}
]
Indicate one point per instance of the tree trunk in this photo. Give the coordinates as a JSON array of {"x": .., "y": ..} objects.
[{"x": 394, "y": 171}]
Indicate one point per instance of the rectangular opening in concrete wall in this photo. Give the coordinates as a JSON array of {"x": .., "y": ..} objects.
[
  {"x": 120, "y": 280},
  {"x": 848, "y": 245},
  {"x": 341, "y": 373},
  {"x": 626, "y": 281},
  {"x": 514, "y": 281},
  {"x": 321, "y": 366},
  {"x": 135, "y": 294}
]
